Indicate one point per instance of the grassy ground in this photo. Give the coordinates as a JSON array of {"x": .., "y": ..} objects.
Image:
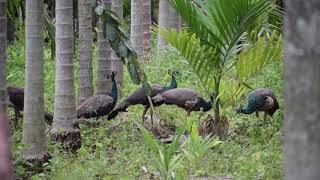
[{"x": 251, "y": 151}]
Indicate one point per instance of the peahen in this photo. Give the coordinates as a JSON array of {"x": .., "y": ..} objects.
[
  {"x": 16, "y": 101},
  {"x": 188, "y": 99},
  {"x": 139, "y": 97},
  {"x": 99, "y": 105},
  {"x": 261, "y": 99}
]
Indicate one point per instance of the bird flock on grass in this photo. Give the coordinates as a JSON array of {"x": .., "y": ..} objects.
[{"x": 261, "y": 99}]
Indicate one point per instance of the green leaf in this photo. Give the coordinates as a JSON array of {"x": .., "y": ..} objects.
[{"x": 257, "y": 56}]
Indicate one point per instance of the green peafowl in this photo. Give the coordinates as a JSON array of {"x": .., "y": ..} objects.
[
  {"x": 16, "y": 101},
  {"x": 99, "y": 105},
  {"x": 261, "y": 99},
  {"x": 139, "y": 97},
  {"x": 188, "y": 99}
]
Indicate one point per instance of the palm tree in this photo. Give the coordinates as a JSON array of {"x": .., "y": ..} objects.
[
  {"x": 117, "y": 65},
  {"x": 33, "y": 124},
  {"x": 3, "y": 45},
  {"x": 140, "y": 27},
  {"x": 63, "y": 129},
  {"x": 163, "y": 20},
  {"x": 214, "y": 38},
  {"x": 6, "y": 170},
  {"x": 168, "y": 18},
  {"x": 302, "y": 97},
  {"x": 104, "y": 57},
  {"x": 85, "y": 50},
  {"x": 147, "y": 30},
  {"x": 174, "y": 20}
]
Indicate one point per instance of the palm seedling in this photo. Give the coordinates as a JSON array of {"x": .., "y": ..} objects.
[{"x": 226, "y": 43}]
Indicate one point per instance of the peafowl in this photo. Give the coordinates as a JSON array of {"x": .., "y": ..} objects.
[
  {"x": 99, "y": 105},
  {"x": 261, "y": 99},
  {"x": 188, "y": 99},
  {"x": 139, "y": 97},
  {"x": 16, "y": 101}
]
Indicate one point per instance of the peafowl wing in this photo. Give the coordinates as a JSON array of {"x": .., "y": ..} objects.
[{"x": 96, "y": 106}]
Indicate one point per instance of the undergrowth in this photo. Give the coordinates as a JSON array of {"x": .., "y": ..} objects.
[{"x": 117, "y": 149}]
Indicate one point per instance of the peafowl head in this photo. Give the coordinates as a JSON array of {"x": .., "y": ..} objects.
[
  {"x": 239, "y": 110},
  {"x": 112, "y": 76}
]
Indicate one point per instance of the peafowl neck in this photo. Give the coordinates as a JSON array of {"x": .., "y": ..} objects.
[
  {"x": 173, "y": 84},
  {"x": 247, "y": 110},
  {"x": 114, "y": 89},
  {"x": 206, "y": 105}
]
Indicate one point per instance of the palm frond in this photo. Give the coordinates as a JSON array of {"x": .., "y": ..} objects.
[
  {"x": 257, "y": 56},
  {"x": 203, "y": 59},
  {"x": 120, "y": 42}
]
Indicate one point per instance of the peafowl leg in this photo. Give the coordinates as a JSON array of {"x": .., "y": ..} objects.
[
  {"x": 144, "y": 114},
  {"x": 16, "y": 117},
  {"x": 188, "y": 113},
  {"x": 257, "y": 114}
]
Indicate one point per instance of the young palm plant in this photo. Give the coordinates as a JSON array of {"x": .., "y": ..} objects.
[
  {"x": 165, "y": 157},
  {"x": 197, "y": 147},
  {"x": 217, "y": 35}
]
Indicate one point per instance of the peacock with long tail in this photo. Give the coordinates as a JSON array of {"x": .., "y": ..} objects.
[
  {"x": 99, "y": 105},
  {"x": 16, "y": 101},
  {"x": 139, "y": 97},
  {"x": 261, "y": 99},
  {"x": 186, "y": 98}
]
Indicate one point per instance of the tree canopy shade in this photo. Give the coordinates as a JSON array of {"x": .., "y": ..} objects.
[{"x": 218, "y": 30}]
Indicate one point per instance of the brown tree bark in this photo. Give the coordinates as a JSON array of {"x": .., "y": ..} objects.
[{"x": 302, "y": 89}]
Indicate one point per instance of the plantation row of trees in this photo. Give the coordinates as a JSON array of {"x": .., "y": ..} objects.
[
  {"x": 64, "y": 129},
  {"x": 223, "y": 39}
]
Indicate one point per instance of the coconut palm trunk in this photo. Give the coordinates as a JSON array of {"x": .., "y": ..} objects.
[
  {"x": 85, "y": 50},
  {"x": 33, "y": 124},
  {"x": 174, "y": 20},
  {"x": 302, "y": 97},
  {"x": 3, "y": 56},
  {"x": 64, "y": 130},
  {"x": 163, "y": 20},
  {"x": 6, "y": 169},
  {"x": 147, "y": 20},
  {"x": 140, "y": 27},
  {"x": 104, "y": 58},
  {"x": 116, "y": 64},
  {"x": 168, "y": 18}
]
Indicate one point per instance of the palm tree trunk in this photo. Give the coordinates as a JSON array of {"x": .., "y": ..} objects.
[
  {"x": 147, "y": 30},
  {"x": 3, "y": 56},
  {"x": 104, "y": 58},
  {"x": 33, "y": 124},
  {"x": 137, "y": 27},
  {"x": 163, "y": 20},
  {"x": 302, "y": 90},
  {"x": 64, "y": 129},
  {"x": 85, "y": 50},
  {"x": 174, "y": 20},
  {"x": 117, "y": 65},
  {"x": 6, "y": 170},
  {"x": 168, "y": 18}
]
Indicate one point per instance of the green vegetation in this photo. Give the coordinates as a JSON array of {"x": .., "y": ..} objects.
[{"x": 118, "y": 149}]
